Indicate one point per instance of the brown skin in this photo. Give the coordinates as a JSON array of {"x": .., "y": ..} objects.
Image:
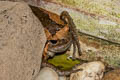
[{"x": 60, "y": 36}]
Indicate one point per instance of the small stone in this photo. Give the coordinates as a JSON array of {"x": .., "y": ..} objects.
[
  {"x": 47, "y": 74},
  {"x": 91, "y": 71}
]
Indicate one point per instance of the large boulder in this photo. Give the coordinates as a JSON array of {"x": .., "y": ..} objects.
[{"x": 22, "y": 40}]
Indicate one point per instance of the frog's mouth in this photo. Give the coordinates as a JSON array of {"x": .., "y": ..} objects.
[{"x": 59, "y": 46}]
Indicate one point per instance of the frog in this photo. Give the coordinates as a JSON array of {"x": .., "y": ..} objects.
[{"x": 60, "y": 36}]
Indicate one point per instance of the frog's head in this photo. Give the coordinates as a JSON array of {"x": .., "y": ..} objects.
[{"x": 60, "y": 42}]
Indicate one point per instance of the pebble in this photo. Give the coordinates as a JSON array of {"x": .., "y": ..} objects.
[{"x": 47, "y": 74}]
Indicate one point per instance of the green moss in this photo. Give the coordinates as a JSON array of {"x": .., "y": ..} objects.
[
  {"x": 62, "y": 62},
  {"x": 69, "y": 2},
  {"x": 118, "y": 15},
  {"x": 92, "y": 26},
  {"x": 102, "y": 7}
]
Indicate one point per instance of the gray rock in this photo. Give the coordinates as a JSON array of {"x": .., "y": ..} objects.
[
  {"x": 47, "y": 74},
  {"x": 22, "y": 40}
]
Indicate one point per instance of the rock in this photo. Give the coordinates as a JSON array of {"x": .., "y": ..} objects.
[
  {"x": 22, "y": 40},
  {"x": 91, "y": 71},
  {"x": 47, "y": 74},
  {"x": 107, "y": 22},
  {"x": 62, "y": 78},
  {"x": 112, "y": 75}
]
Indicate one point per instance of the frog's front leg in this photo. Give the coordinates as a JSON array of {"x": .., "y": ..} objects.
[
  {"x": 46, "y": 53},
  {"x": 73, "y": 31}
]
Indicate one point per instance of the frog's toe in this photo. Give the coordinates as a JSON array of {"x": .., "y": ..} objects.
[{"x": 71, "y": 57}]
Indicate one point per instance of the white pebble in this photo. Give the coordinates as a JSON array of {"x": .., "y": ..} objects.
[{"x": 47, "y": 74}]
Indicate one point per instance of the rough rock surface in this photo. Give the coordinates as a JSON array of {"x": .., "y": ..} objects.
[
  {"x": 91, "y": 71},
  {"x": 21, "y": 42},
  {"x": 112, "y": 75},
  {"x": 47, "y": 74},
  {"x": 62, "y": 78}
]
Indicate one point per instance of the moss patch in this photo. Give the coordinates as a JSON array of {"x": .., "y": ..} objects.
[
  {"x": 92, "y": 26},
  {"x": 103, "y": 7}
]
